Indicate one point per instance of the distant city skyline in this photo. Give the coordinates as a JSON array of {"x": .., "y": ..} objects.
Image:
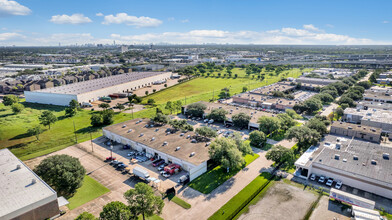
[{"x": 50, "y": 23}]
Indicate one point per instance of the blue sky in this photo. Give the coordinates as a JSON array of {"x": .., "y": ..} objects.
[{"x": 48, "y": 22}]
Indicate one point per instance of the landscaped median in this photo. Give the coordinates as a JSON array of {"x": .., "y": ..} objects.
[
  {"x": 217, "y": 176},
  {"x": 239, "y": 201},
  {"x": 90, "y": 190}
]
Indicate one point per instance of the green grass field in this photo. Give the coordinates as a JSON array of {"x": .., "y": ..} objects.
[
  {"x": 180, "y": 202},
  {"x": 90, "y": 190},
  {"x": 13, "y": 129},
  {"x": 228, "y": 209},
  {"x": 206, "y": 88},
  {"x": 210, "y": 180}
]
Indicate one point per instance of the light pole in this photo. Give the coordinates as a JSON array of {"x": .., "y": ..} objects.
[
  {"x": 111, "y": 151},
  {"x": 92, "y": 146}
]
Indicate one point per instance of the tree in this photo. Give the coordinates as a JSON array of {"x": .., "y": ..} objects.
[
  {"x": 160, "y": 119},
  {"x": 36, "y": 131},
  {"x": 225, "y": 93},
  {"x": 286, "y": 121},
  {"x": 196, "y": 109},
  {"x": 96, "y": 120},
  {"x": 142, "y": 201},
  {"x": 146, "y": 92},
  {"x": 317, "y": 125},
  {"x": 181, "y": 124},
  {"x": 218, "y": 115},
  {"x": 269, "y": 125},
  {"x": 346, "y": 100},
  {"x": 104, "y": 105},
  {"x": 151, "y": 101},
  {"x": 311, "y": 105},
  {"x": 85, "y": 216},
  {"x": 154, "y": 90},
  {"x": 365, "y": 84},
  {"x": 9, "y": 100},
  {"x": 257, "y": 138},
  {"x": 116, "y": 211},
  {"x": 165, "y": 85},
  {"x": 73, "y": 104},
  {"x": 206, "y": 132},
  {"x": 178, "y": 105},
  {"x": 339, "y": 112},
  {"x": 303, "y": 135},
  {"x": 170, "y": 106},
  {"x": 292, "y": 114},
  {"x": 62, "y": 172},
  {"x": 324, "y": 97},
  {"x": 17, "y": 108},
  {"x": 243, "y": 146},
  {"x": 70, "y": 111},
  {"x": 225, "y": 152},
  {"x": 134, "y": 99},
  {"x": 47, "y": 118},
  {"x": 120, "y": 107},
  {"x": 244, "y": 89},
  {"x": 241, "y": 120},
  {"x": 107, "y": 117},
  {"x": 280, "y": 155}
]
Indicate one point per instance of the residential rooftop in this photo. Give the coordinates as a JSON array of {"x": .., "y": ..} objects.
[
  {"x": 139, "y": 130},
  {"x": 101, "y": 83},
  {"x": 21, "y": 188}
]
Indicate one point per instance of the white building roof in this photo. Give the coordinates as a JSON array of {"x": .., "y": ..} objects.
[{"x": 18, "y": 193}]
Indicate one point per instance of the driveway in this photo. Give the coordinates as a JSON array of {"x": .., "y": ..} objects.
[{"x": 329, "y": 109}]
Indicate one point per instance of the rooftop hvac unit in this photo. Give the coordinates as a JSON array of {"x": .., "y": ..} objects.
[
  {"x": 164, "y": 143},
  {"x": 374, "y": 162},
  {"x": 385, "y": 156},
  {"x": 153, "y": 139},
  {"x": 355, "y": 157},
  {"x": 337, "y": 156},
  {"x": 33, "y": 181},
  {"x": 130, "y": 130},
  {"x": 124, "y": 126},
  {"x": 178, "y": 148},
  {"x": 141, "y": 134},
  {"x": 192, "y": 154},
  {"x": 18, "y": 167}
]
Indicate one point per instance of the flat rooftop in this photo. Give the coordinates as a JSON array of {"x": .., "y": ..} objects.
[
  {"x": 371, "y": 114},
  {"x": 377, "y": 105},
  {"x": 96, "y": 84},
  {"x": 268, "y": 90},
  {"x": 16, "y": 188},
  {"x": 315, "y": 80},
  {"x": 154, "y": 137},
  {"x": 355, "y": 127},
  {"x": 354, "y": 156},
  {"x": 267, "y": 99}
]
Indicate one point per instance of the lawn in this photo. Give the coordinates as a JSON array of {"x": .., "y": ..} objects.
[
  {"x": 210, "y": 180},
  {"x": 236, "y": 204},
  {"x": 90, "y": 190},
  {"x": 153, "y": 217},
  {"x": 206, "y": 88},
  {"x": 13, "y": 129}
]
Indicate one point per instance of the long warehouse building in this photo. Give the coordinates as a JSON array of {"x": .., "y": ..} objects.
[{"x": 92, "y": 90}]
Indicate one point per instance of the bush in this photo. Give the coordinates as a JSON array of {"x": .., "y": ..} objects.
[
  {"x": 17, "y": 108},
  {"x": 257, "y": 138}
]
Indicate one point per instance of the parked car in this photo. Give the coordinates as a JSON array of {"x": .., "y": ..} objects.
[
  {"x": 329, "y": 182},
  {"x": 172, "y": 168},
  {"x": 162, "y": 166},
  {"x": 108, "y": 143},
  {"x": 211, "y": 121},
  {"x": 313, "y": 177},
  {"x": 114, "y": 162},
  {"x": 158, "y": 162},
  {"x": 127, "y": 146},
  {"x": 321, "y": 179},
  {"x": 205, "y": 120},
  {"x": 118, "y": 164},
  {"x": 183, "y": 179},
  {"x": 165, "y": 174},
  {"x": 110, "y": 158},
  {"x": 121, "y": 167},
  {"x": 338, "y": 184}
]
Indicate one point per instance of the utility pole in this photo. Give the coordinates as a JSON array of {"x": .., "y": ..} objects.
[
  {"x": 76, "y": 138},
  {"x": 92, "y": 146}
]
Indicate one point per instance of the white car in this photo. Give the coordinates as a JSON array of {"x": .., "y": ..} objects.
[
  {"x": 313, "y": 177},
  {"x": 338, "y": 184},
  {"x": 329, "y": 182},
  {"x": 205, "y": 120},
  {"x": 322, "y": 179},
  {"x": 211, "y": 121}
]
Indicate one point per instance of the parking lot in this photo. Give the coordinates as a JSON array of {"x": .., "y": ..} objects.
[{"x": 281, "y": 201}]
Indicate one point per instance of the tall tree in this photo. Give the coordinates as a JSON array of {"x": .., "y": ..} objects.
[
  {"x": 85, "y": 216},
  {"x": 241, "y": 120},
  {"x": 303, "y": 135},
  {"x": 36, "y": 131},
  {"x": 17, "y": 108},
  {"x": 268, "y": 125},
  {"x": 218, "y": 115},
  {"x": 196, "y": 109},
  {"x": 225, "y": 152},
  {"x": 142, "y": 201},
  {"x": 206, "y": 132},
  {"x": 104, "y": 105},
  {"x": 47, "y": 118},
  {"x": 169, "y": 106},
  {"x": 280, "y": 154},
  {"x": 8, "y": 100},
  {"x": 257, "y": 138}
]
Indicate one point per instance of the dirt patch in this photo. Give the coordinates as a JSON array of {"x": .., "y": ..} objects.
[
  {"x": 282, "y": 201},
  {"x": 327, "y": 209}
]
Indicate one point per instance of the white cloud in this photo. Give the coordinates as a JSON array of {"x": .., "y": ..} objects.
[
  {"x": 330, "y": 25},
  {"x": 185, "y": 21},
  {"x": 310, "y": 27},
  {"x": 8, "y": 7},
  {"x": 124, "y": 18},
  {"x": 70, "y": 19},
  {"x": 10, "y": 36},
  {"x": 99, "y": 14},
  {"x": 278, "y": 36},
  {"x": 385, "y": 22},
  {"x": 171, "y": 19}
]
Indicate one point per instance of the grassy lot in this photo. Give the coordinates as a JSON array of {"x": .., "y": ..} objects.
[
  {"x": 180, "y": 202},
  {"x": 231, "y": 207},
  {"x": 13, "y": 129},
  {"x": 210, "y": 180},
  {"x": 154, "y": 217},
  {"x": 90, "y": 190},
  {"x": 205, "y": 88}
]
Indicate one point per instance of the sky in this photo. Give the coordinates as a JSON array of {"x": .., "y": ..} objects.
[{"x": 288, "y": 22}]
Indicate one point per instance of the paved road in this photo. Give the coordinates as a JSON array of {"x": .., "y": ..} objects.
[{"x": 328, "y": 110}]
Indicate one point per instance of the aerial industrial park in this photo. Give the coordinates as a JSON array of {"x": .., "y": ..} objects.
[{"x": 145, "y": 110}]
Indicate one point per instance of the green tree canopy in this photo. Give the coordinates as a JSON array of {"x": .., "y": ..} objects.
[
  {"x": 206, "y": 132},
  {"x": 160, "y": 119},
  {"x": 116, "y": 211},
  {"x": 181, "y": 125},
  {"x": 225, "y": 152},
  {"x": 280, "y": 154},
  {"x": 303, "y": 135},
  {"x": 85, "y": 216},
  {"x": 218, "y": 115},
  {"x": 36, "y": 131},
  {"x": 47, "y": 118},
  {"x": 196, "y": 109},
  {"x": 142, "y": 201},
  {"x": 286, "y": 121},
  {"x": 17, "y": 108},
  {"x": 241, "y": 120},
  {"x": 62, "y": 172},
  {"x": 268, "y": 125},
  {"x": 104, "y": 105},
  {"x": 9, "y": 100},
  {"x": 257, "y": 138}
]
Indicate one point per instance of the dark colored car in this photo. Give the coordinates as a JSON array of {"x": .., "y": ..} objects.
[
  {"x": 158, "y": 163},
  {"x": 126, "y": 146},
  {"x": 118, "y": 164}
]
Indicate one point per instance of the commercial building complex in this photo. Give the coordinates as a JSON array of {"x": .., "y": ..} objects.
[
  {"x": 358, "y": 164},
  {"x": 92, "y": 90},
  {"x": 358, "y": 131},
  {"x": 371, "y": 117},
  {"x": 161, "y": 143},
  {"x": 23, "y": 195}
]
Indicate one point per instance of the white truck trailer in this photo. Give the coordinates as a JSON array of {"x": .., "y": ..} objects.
[{"x": 140, "y": 172}]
